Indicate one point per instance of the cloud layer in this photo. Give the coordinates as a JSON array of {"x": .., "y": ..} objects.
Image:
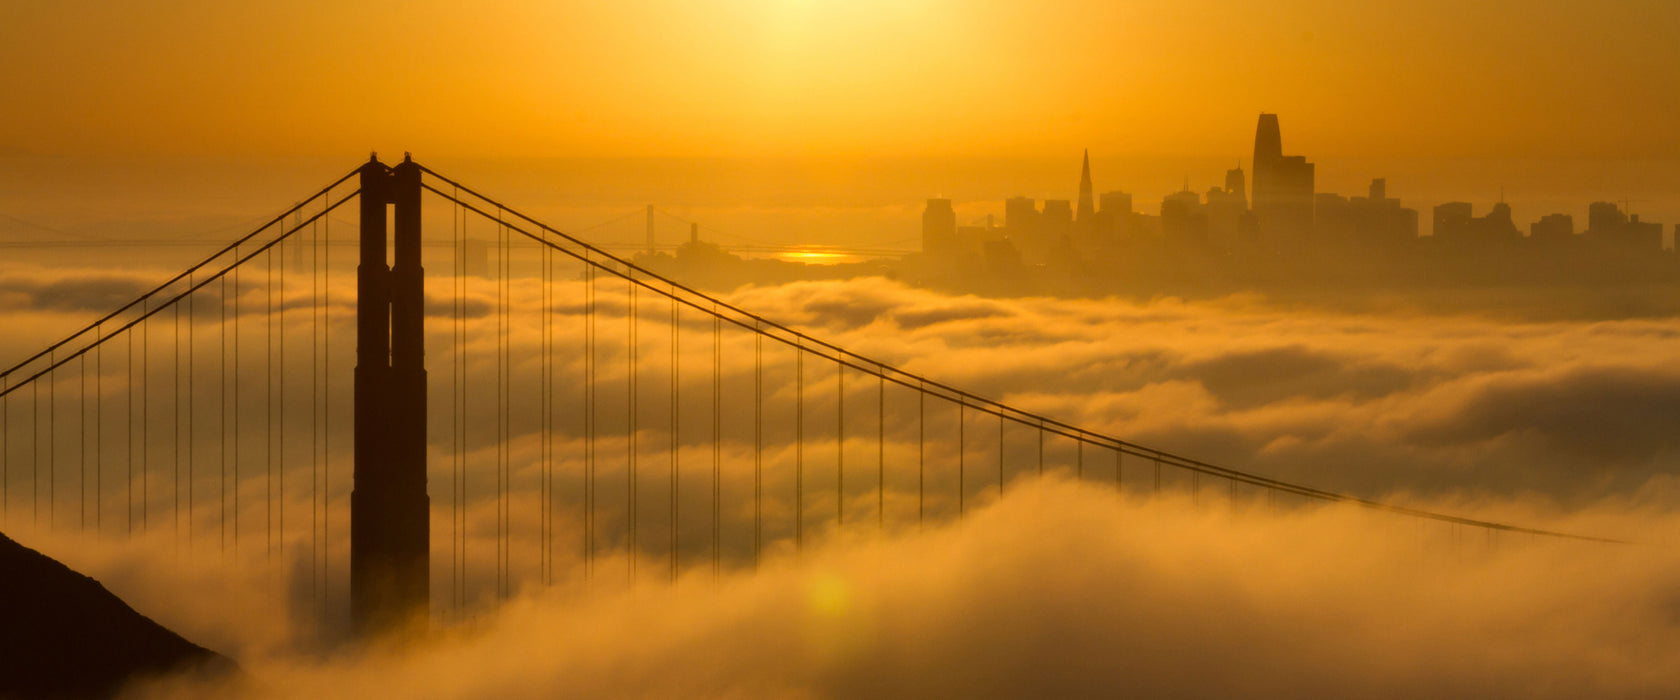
[
  {"x": 1563, "y": 424},
  {"x": 1065, "y": 591}
]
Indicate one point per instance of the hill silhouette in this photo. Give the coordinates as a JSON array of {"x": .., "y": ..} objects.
[{"x": 65, "y": 636}]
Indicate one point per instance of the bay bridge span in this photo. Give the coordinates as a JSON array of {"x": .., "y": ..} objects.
[{"x": 422, "y": 442}]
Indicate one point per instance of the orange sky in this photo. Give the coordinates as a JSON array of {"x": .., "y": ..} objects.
[{"x": 1436, "y": 78}]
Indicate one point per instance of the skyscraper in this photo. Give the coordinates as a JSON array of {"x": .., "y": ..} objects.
[
  {"x": 939, "y": 227},
  {"x": 1235, "y": 185},
  {"x": 1283, "y": 187},
  {"x": 1087, "y": 210}
]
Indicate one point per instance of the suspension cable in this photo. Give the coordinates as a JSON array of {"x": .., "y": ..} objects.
[
  {"x": 231, "y": 247},
  {"x": 641, "y": 277}
]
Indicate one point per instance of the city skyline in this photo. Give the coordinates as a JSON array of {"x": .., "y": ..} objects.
[{"x": 1287, "y": 207}]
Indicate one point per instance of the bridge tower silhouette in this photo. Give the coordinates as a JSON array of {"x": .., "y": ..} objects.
[{"x": 389, "y": 507}]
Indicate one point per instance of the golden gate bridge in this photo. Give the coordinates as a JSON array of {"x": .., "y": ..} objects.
[{"x": 274, "y": 400}]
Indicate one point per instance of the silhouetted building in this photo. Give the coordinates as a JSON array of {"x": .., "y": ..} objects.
[
  {"x": 1234, "y": 184},
  {"x": 1057, "y": 218},
  {"x": 1283, "y": 186},
  {"x": 1225, "y": 211},
  {"x": 1116, "y": 214},
  {"x": 1086, "y": 209},
  {"x": 1611, "y": 229},
  {"x": 1020, "y": 215},
  {"x": 939, "y": 227},
  {"x": 1604, "y": 217},
  {"x": 1332, "y": 217},
  {"x": 1452, "y": 220},
  {"x": 1025, "y": 226},
  {"x": 1552, "y": 227},
  {"x": 1497, "y": 225},
  {"x": 1117, "y": 203},
  {"x": 1455, "y": 227},
  {"x": 1183, "y": 219},
  {"x": 1378, "y": 219}
]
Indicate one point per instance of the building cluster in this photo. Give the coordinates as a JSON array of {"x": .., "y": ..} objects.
[{"x": 1276, "y": 213}]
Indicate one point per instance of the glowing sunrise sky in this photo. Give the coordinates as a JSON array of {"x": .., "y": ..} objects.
[{"x": 1434, "y": 78}]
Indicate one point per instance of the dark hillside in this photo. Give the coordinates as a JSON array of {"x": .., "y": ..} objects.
[{"x": 63, "y": 635}]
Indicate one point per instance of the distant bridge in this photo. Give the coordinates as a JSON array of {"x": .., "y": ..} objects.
[{"x": 571, "y": 400}]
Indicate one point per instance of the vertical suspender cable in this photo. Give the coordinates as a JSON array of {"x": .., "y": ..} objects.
[
  {"x": 717, "y": 442},
  {"x": 758, "y": 442},
  {"x": 268, "y": 409},
  {"x": 962, "y": 452},
  {"x": 840, "y": 442},
  {"x": 589, "y": 421},
  {"x": 280, "y": 408},
  {"x": 799, "y": 450},
  {"x": 458, "y": 251},
  {"x": 881, "y": 449},
  {"x": 5, "y": 453},
  {"x": 52, "y": 445},
  {"x": 326, "y": 410},
  {"x": 1041, "y": 450},
  {"x": 921, "y": 453},
  {"x": 35, "y": 453},
  {"x": 457, "y": 542},
  {"x": 192, "y": 371},
  {"x": 676, "y": 410},
  {"x": 145, "y": 422},
  {"x": 81, "y": 452},
  {"x": 1000, "y": 455},
  {"x": 314, "y": 413},
  {"x": 237, "y": 293},
  {"x": 128, "y": 420},
  {"x": 506, "y": 387},
  {"x": 176, "y": 492},
  {"x": 630, "y": 421},
  {"x": 98, "y": 431},
  {"x": 501, "y": 258},
  {"x": 543, "y": 397},
  {"x": 550, "y": 265}
]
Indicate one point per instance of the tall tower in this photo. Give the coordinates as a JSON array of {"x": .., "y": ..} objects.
[
  {"x": 390, "y": 526},
  {"x": 1086, "y": 208},
  {"x": 939, "y": 227},
  {"x": 1268, "y": 143},
  {"x": 1283, "y": 187},
  {"x": 1235, "y": 185}
]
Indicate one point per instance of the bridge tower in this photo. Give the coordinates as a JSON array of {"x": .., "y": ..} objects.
[{"x": 389, "y": 507}]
